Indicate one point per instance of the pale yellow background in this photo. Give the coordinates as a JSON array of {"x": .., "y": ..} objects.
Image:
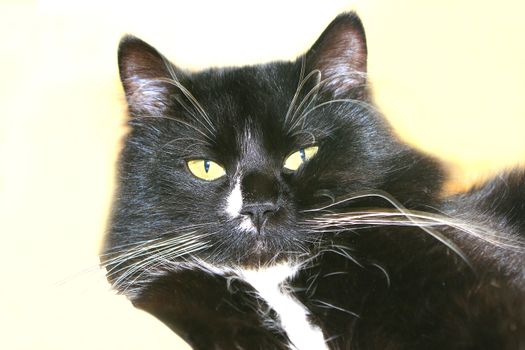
[{"x": 449, "y": 74}]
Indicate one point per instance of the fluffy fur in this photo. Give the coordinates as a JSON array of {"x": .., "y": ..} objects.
[{"x": 382, "y": 260}]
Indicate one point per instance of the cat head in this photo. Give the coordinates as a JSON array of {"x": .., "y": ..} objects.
[{"x": 230, "y": 165}]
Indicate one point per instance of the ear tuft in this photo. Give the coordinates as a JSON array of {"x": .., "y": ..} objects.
[
  {"x": 340, "y": 55},
  {"x": 143, "y": 72}
]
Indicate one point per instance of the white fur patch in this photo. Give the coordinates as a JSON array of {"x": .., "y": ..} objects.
[
  {"x": 234, "y": 201},
  {"x": 233, "y": 208},
  {"x": 247, "y": 225},
  {"x": 292, "y": 314}
]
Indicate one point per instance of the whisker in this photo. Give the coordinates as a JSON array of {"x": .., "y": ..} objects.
[
  {"x": 404, "y": 211},
  {"x": 150, "y": 254},
  {"x": 194, "y": 142},
  {"x": 310, "y": 97},
  {"x": 208, "y": 137},
  {"x": 324, "y": 304},
  {"x": 297, "y": 90},
  {"x": 342, "y": 252},
  {"x": 300, "y": 86},
  {"x": 174, "y": 243},
  {"x": 198, "y": 107},
  {"x": 147, "y": 244},
  {"x": 126, "y": 282},
  {"x": 385, "y": 273},
  {"x": 144, "y": 85},
  {"x": 115, "y": 257},
  {"x": 418, "y": 219},
  {"x": 143, "y": 265},
  {"x": 361, "y": 103},
  {"x": 178, "y": 243},
  {"x": 315, "y": 91}
]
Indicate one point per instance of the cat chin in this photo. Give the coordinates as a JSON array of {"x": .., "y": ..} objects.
[
  {"x": 258, "y": 254},
  {"x": 262, "y": 251},
  {"x": 261, "y": 256}
]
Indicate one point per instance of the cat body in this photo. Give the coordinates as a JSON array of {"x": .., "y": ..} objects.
[{"x": 272, "y": 207}]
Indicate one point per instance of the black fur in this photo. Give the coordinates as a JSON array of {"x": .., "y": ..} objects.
[{"x": 368, "y": 286}]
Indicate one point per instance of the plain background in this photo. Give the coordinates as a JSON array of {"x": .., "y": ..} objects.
[{"x": 449, "y": 74}]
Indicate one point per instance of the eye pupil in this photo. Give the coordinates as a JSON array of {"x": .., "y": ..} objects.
[
  {"x": 206, "y": 165},
  {"x": 301, "y": 156}
]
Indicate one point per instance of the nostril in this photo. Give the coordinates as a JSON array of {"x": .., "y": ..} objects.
[
  {"x": 246, "y": 212},
  {"x": 258, "y": 209},
  {"x": 258, "y": 213},
  {"x": 270, "y": 210}
]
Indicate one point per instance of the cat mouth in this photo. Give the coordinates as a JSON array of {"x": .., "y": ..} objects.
[
  {"x": 266, "y": 249},
  {"x": 260, "y": 247},
  {"x": 264, "y": 244},
  {"x": 245, "y": 225}
]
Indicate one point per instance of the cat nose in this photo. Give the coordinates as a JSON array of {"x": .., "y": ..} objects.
[
  {"x": 259, "y": 188},
  {"x": 260, "y": 193},
  {"x": 259, "y": 213}
]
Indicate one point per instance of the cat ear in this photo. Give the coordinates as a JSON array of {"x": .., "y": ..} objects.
[
  {"x": 146, "y": 76},
  {"x": 340, "y": 55}
]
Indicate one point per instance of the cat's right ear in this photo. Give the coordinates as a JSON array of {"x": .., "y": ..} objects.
[
  {"x": 147, "y": 76},
  {"x": 340, "y": 55}
]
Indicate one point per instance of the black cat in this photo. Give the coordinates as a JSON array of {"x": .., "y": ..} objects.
[{"x": 271, "y": 207}]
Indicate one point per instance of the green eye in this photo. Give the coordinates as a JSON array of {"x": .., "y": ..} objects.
[
  {"x": 206, "y": 169},
  {"x": 296, "y": 159}
]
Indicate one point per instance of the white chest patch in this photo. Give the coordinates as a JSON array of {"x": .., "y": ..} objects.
[{"x": 292, "y": 314}]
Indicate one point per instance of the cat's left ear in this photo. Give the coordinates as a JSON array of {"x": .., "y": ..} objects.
[
  {"x": 149, "y": 79},
  {"x": 340, "y": 55}
]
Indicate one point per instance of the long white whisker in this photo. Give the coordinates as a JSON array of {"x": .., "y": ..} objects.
[
  {"x": 179, "y": 243},
  {"x": 324, "y": 304},
  {"x": 137, "y": 246},
  {"x": 385, "y": 196},
  {"x": 178, "y": 121},
  {"x": 297, "y": 90},
  {"x": 143, "y": 251},
  {"x": 342, "y": 100},
  {"x": 193, "y": 101},
  {"x": 155, "y": 263},
  {"x": 418, "y": 219},
  {"x": 302, "y": 82},
  {"x": 309, "y": 98},
  {"x": 173, "y": 252}
]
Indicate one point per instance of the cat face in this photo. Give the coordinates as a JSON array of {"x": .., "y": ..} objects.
[{"x": 229, "y": 165}]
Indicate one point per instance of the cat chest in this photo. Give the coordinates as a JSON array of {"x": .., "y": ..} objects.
[{"x": 293, "y": 315}]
